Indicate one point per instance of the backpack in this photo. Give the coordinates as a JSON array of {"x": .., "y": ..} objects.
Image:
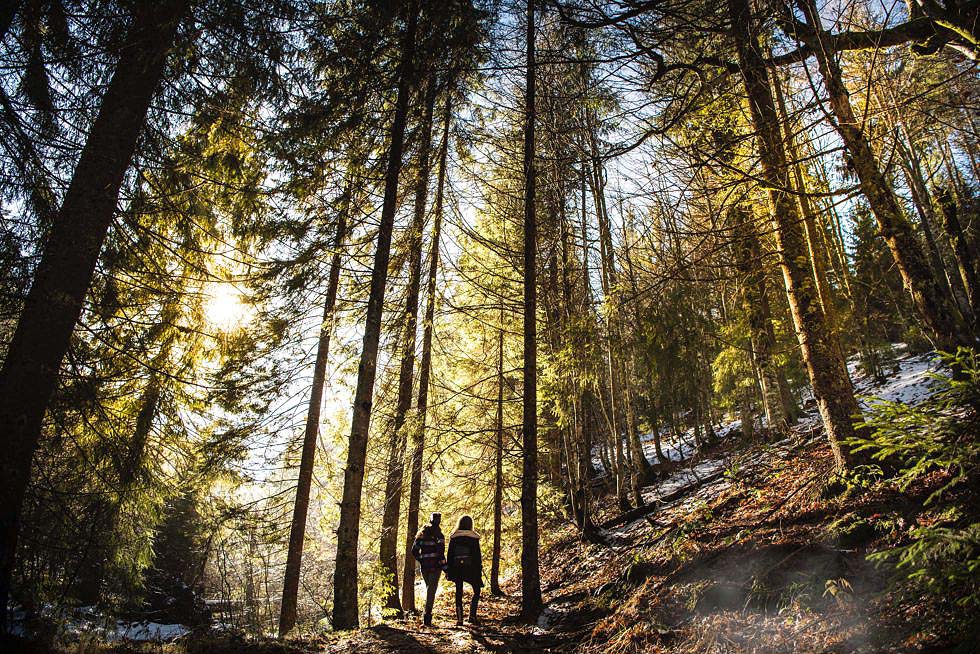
[{"x": 462, "y": 557}]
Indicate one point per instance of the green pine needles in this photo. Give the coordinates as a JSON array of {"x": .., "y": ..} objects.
[{"x": 941, "y": 554}]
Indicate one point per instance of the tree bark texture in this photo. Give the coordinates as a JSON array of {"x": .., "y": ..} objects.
[
  {"x": 345, "y": 599},
  {"x": 530, "y": 574},
  {"x": 425, "y": 369},
  {"x": 388, "y": 554},
  {"x": 64, "y": 274},
  {"x": 498, "y": 471},
  {"x": 828, "y": 374},
  {"x": 301, "y": 505},
  {"x": 755, "y": 303}
]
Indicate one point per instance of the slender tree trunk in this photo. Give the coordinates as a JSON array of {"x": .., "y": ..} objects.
[
  {"x": 388, "y": 555},
  {"x": 927, "y": 218},
  {"x": 572, "y": 446},
  {"x": 755, "y": 303},
  {"x": 345, "y": 609},
  {"x": 895, "y": 228},
  {"x": 817, "y": 260},
  {"x": 952, "y": 170},
  {"x": 837, "y": 235},
  {"x": 498, "y": 468},
  {"x": 615, "y": 433},
  {"x": 425, "y": 370},
  {"x": 301, "y": 505},
  {"x": 584, "y": 444},
  {"x": 63, "y": 276},
  {"x": 530, "y": 575},
  {"x": 828, "y": 374},
  {"x": 635, "y": 451},
  {"x": 641, "y": 464},
  {"x": 657, "y": 446},
  {"x": 253, "y": 617},
  {"x": 963, "y": 251},
  {"x": 607, "y": 277},
  {"x": 745, "y": 413}
]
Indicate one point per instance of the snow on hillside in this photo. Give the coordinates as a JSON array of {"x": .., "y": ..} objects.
[{"x": 910, "y": 381}]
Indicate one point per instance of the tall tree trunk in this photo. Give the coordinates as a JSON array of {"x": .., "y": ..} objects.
[
  {"x": 641, "y": 464},
  {"x": 657, "y": 446},
  {"x": 963, "y": 252},
  {"x": 345, "y": 605},
  {"x": 425, "y": 369},
  {"x": 637, "y": 458},
  {"x": 817, "y": 257},
  {"x": 388, "y": 554},
  {"x": 301, "y": 505},
  {"x": 530, "y": 575},
  {"x": 607, "y": 278},
  {"x": 922, "y": 201},
  {"x": 895, "y": 228},
  {"x": 836, "y": 233},
  {"x": 63, "y": 276},
  {"x": 755, "y": 303},
  {"x": 584, "y": 444},
  {"x": 912, "y": 167},
  {"x": 498, "y": 469},
  {"x": 828, "y": 374},
  {"x": 570, "y": 446}
]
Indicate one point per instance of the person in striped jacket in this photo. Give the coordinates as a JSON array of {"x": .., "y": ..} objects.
[{"x": 429, "y": 549}]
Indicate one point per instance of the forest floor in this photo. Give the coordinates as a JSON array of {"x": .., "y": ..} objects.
[{"x": 753, "y": 559}]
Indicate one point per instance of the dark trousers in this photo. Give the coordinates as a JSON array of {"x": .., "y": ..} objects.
[
  {"x": 431, "y": 579},
  {"x": 473, "y": 602}
]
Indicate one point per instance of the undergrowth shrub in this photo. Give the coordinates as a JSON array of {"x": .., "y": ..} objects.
[{"x": 941, "y": 554}]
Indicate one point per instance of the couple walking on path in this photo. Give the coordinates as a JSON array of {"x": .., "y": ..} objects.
[{"x": 463, "y": 563}]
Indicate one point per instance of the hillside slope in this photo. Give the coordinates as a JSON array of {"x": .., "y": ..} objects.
[{"x": 737, "y": 552}]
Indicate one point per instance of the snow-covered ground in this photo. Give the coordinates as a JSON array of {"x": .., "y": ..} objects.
[
  {"x": 148, "y": 632},
  {"x": 85, "y": 621},
  {"x": 911, "y": 382}
]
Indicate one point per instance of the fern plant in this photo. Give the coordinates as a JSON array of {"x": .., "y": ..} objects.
[{"x": 942, "y": 555}]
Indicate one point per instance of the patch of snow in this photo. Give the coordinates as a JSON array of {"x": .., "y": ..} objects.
[
  {"x": 912, "y": 383},
  {"x": 148, "y": 632},
  {"x": 74, "y": 623}
]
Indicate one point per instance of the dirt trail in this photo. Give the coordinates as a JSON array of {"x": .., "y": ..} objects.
[
  {"x": 497, "y": 631},
  {"x": 567, "y": 577}
]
